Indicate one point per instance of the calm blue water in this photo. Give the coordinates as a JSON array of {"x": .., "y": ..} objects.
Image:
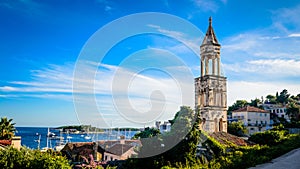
[{"x": 30, "y": 134}]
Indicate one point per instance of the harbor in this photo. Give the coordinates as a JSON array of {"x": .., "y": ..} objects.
[{"x": 41, "y": 137}]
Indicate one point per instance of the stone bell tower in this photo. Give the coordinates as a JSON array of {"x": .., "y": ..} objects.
[{"x": 210, "y": 87}]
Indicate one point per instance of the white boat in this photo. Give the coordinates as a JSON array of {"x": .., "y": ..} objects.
[
  {"x": 61, "y": 144},
  {"x": 59, "y": 147},
  {"x": 87, "y": 137}
]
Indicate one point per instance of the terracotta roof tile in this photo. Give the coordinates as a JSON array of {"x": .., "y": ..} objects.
[
  {"x": 119, "y": 149},
  {"x": 224, "y": 138},
  {"x": 5, "y": 142},
  {"x": 251, "y": 109}
]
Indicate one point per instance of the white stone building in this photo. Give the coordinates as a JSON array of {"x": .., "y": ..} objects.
[
  {"x": 210, "y": 87},
  {"x": 163, "y": 127},
  {"x": 277, "y": 109},
  {"x": 255, "y": 119}
]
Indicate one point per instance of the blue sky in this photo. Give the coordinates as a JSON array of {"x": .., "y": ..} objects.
[{"x": 41, "y": 41}]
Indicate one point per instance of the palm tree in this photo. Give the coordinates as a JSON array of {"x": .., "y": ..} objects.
[{"x": 7, "y": 129}]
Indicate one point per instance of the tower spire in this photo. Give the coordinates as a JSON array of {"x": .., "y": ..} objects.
[{"x": 210, "y": 37}]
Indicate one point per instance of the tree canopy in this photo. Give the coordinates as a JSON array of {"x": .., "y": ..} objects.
[
  {"x": 147, "y": 133},
  {"x": 237, "y": 128},
  {"x": 7, "y": 128}
]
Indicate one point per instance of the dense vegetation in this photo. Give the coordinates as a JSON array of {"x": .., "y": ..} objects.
[
  {"x": 237, "y": 129},
  {"x": 270, "y": 144},
  {"x": 283, "y": 98},
  {"x": 147, "y": 133},
  {"x": 12, "y": 158},
  {"x": 240, "y": 157},
  {"x": 184, "y": 131}
]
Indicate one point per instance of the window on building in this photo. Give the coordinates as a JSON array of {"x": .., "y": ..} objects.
[
  {"x": 111, "y": 158},
  {"x": 105, "y": 157},
  {"x": 260, "y": 114},
  {"x": 282, "y": 115},
  {"x": 251, "y": 128},
  {"x": 265, "y": 114},
  {"x": 249, "y": 119},
  {"x": 265, "y": 122}
]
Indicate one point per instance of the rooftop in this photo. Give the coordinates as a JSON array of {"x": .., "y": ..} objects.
[
  {"x": 226, "y": 138},
  {"x": 251, "y": 109},
  {"x": 119, "y": 149},
  {"x": 210, "y": 36}
]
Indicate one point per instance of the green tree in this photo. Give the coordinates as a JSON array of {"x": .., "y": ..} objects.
[
  {"x": 186, "y": 126},
  {"x": 293, "y": 111},
  {"x": 147, "y": 133},
  {"x": 238, "y": 104},
  {"x": 180, "y": 143},
  {"x": 283, "y": 97},
  {"x": 295, "y": 98},
  {"x": 237, "y": 128},
  {"x": 270, "y": 99},
  {"x": 7, "y": 128},
  {"x": 255, "y": 102}
]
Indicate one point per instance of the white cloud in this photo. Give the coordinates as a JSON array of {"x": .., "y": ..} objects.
[
  {"x": 294, "y": 35},
  {"x": 283, "y": 18},
  {"x": 190, "y": 41},
  {"x": 206, "y": 5},
  {"x": 140, "y": 95},
  {"x": 265, "y": 70},
  {"x": 245, "y": 90}
]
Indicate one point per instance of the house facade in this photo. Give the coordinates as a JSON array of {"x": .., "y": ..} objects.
[
  {"x": 163, "y": 127},
  {"x": 255, "y": 119},
  {"x": 119, "y": 152},
  {"x": 277, "y": 109}
]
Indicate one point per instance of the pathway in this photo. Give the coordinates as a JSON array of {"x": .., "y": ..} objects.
[{"x": 290, "y": 160}]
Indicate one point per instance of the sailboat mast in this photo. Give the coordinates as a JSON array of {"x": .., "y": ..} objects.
[{"x": 47, "y": 140}]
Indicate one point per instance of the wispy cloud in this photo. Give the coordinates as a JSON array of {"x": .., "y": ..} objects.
[
  {"x": 211, "y": 6},
  {"x": 107, "y": 8},
  {"x": 29, "y": 7},
  {"x": 112, "y": 84},
  {"x": 251, "y": 90},
  {"x": 285, "y": 17},
  {"x": 266, "y": 69},
  {"x": 294, "y": 35}
]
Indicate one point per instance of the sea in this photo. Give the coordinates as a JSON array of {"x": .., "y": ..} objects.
[{"x": 32, "y": 136}]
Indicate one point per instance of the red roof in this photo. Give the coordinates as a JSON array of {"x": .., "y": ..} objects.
[
  {"x": 251, "y": 109},
  {"x": 226, "y": 138},
  {"x": 119, "y": 149},
  {"x": 5, "y": 142}
]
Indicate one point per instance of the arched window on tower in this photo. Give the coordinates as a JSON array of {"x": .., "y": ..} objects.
[{"x": 221, "y": 125}]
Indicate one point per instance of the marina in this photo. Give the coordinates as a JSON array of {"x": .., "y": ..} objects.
[{"x": 41, "y": 137}]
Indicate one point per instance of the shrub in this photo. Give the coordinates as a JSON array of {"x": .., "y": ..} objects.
[
  {"x": 11, "y": 158},
  {"x": 268, "y": 137}
]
